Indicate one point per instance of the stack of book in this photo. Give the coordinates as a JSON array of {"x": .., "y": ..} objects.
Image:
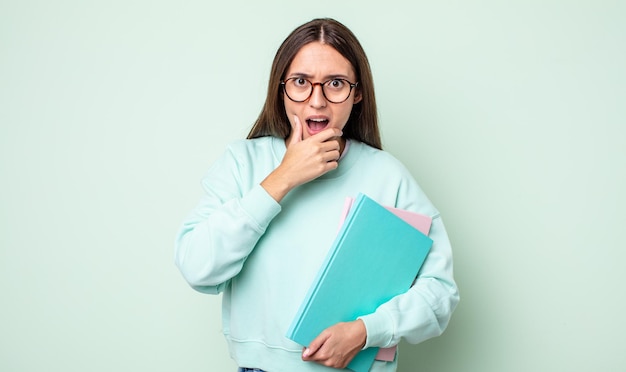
[{"x": 375, "y": 257}]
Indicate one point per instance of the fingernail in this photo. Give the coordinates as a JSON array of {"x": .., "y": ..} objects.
[{"x": 306, "y": 352}]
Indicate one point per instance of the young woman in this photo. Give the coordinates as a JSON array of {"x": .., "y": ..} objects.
[{"x": 272, "y": 206}]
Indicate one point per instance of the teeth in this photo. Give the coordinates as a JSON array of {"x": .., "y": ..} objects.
[{"x": 317, "y": 124}]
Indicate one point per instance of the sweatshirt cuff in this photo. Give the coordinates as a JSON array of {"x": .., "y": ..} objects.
[
  {"x": 379, "y": 326},
  {"x": 260, "y": 206}
]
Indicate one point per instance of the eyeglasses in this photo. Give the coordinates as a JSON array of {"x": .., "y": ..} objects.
[{"x": 334, "y": 90}]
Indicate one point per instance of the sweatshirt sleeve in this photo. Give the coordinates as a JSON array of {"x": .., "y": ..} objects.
[
  {"x": 424, "y": 311},
  {"x": 214, "y": 241}
]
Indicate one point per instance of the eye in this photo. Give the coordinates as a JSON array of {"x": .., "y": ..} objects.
[
  {"x": 300, "y": 82},
  {"x": 336, "y": 84}
]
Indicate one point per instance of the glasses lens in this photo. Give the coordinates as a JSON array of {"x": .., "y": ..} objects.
[
  {"x": 298, "y": 89},
  {"x": 337, "y": 90}
]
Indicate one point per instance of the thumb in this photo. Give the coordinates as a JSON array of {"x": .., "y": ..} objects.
[
  {"x": 314, "y": 346},
  {"x": 296, "y": 130}
]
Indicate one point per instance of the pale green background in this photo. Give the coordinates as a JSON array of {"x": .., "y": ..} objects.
[{"x": 511, "y": 115}]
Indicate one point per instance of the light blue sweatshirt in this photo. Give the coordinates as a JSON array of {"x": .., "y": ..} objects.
[{"x": 263, "y": 255}]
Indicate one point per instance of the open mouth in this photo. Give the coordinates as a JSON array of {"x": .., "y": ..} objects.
[{"x": 317, "y": 124}]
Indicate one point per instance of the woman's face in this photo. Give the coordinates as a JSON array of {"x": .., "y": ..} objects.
[{"x": 319, "y": 63}]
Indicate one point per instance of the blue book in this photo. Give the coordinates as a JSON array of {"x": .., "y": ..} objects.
[{"x": 375, "y": 257}]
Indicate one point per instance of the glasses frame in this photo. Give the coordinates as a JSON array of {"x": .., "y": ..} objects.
[{"x": 321, "y": 84}]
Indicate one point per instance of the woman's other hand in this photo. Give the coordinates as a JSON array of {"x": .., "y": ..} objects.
[{"x": 337, "y": 345}]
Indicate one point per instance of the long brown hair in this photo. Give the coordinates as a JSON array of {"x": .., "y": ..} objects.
[{"x": 362, "y": 124}]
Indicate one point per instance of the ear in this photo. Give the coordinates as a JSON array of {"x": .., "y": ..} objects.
[{"x": 358, "y": 97}]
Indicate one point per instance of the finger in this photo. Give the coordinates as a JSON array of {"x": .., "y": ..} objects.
[
  {"x": 330, "y": 145},
  {"x": 328, "y": 134},
  {"x": 328, "y": 151},
  {"x": 331, "y": 157},
  {"x": 314, "y": 346},
  {"x": 296, "y": 130}
]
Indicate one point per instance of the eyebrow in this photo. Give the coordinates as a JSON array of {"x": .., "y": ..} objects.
[{"x": 326, "y": 78}]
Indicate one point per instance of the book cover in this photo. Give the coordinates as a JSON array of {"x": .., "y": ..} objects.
[
  {"x": 419, "y": 221},
  {"x": 375, "y": 256}
]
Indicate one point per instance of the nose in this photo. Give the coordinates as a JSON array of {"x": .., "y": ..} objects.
[{"x": 317, "y": 99}]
